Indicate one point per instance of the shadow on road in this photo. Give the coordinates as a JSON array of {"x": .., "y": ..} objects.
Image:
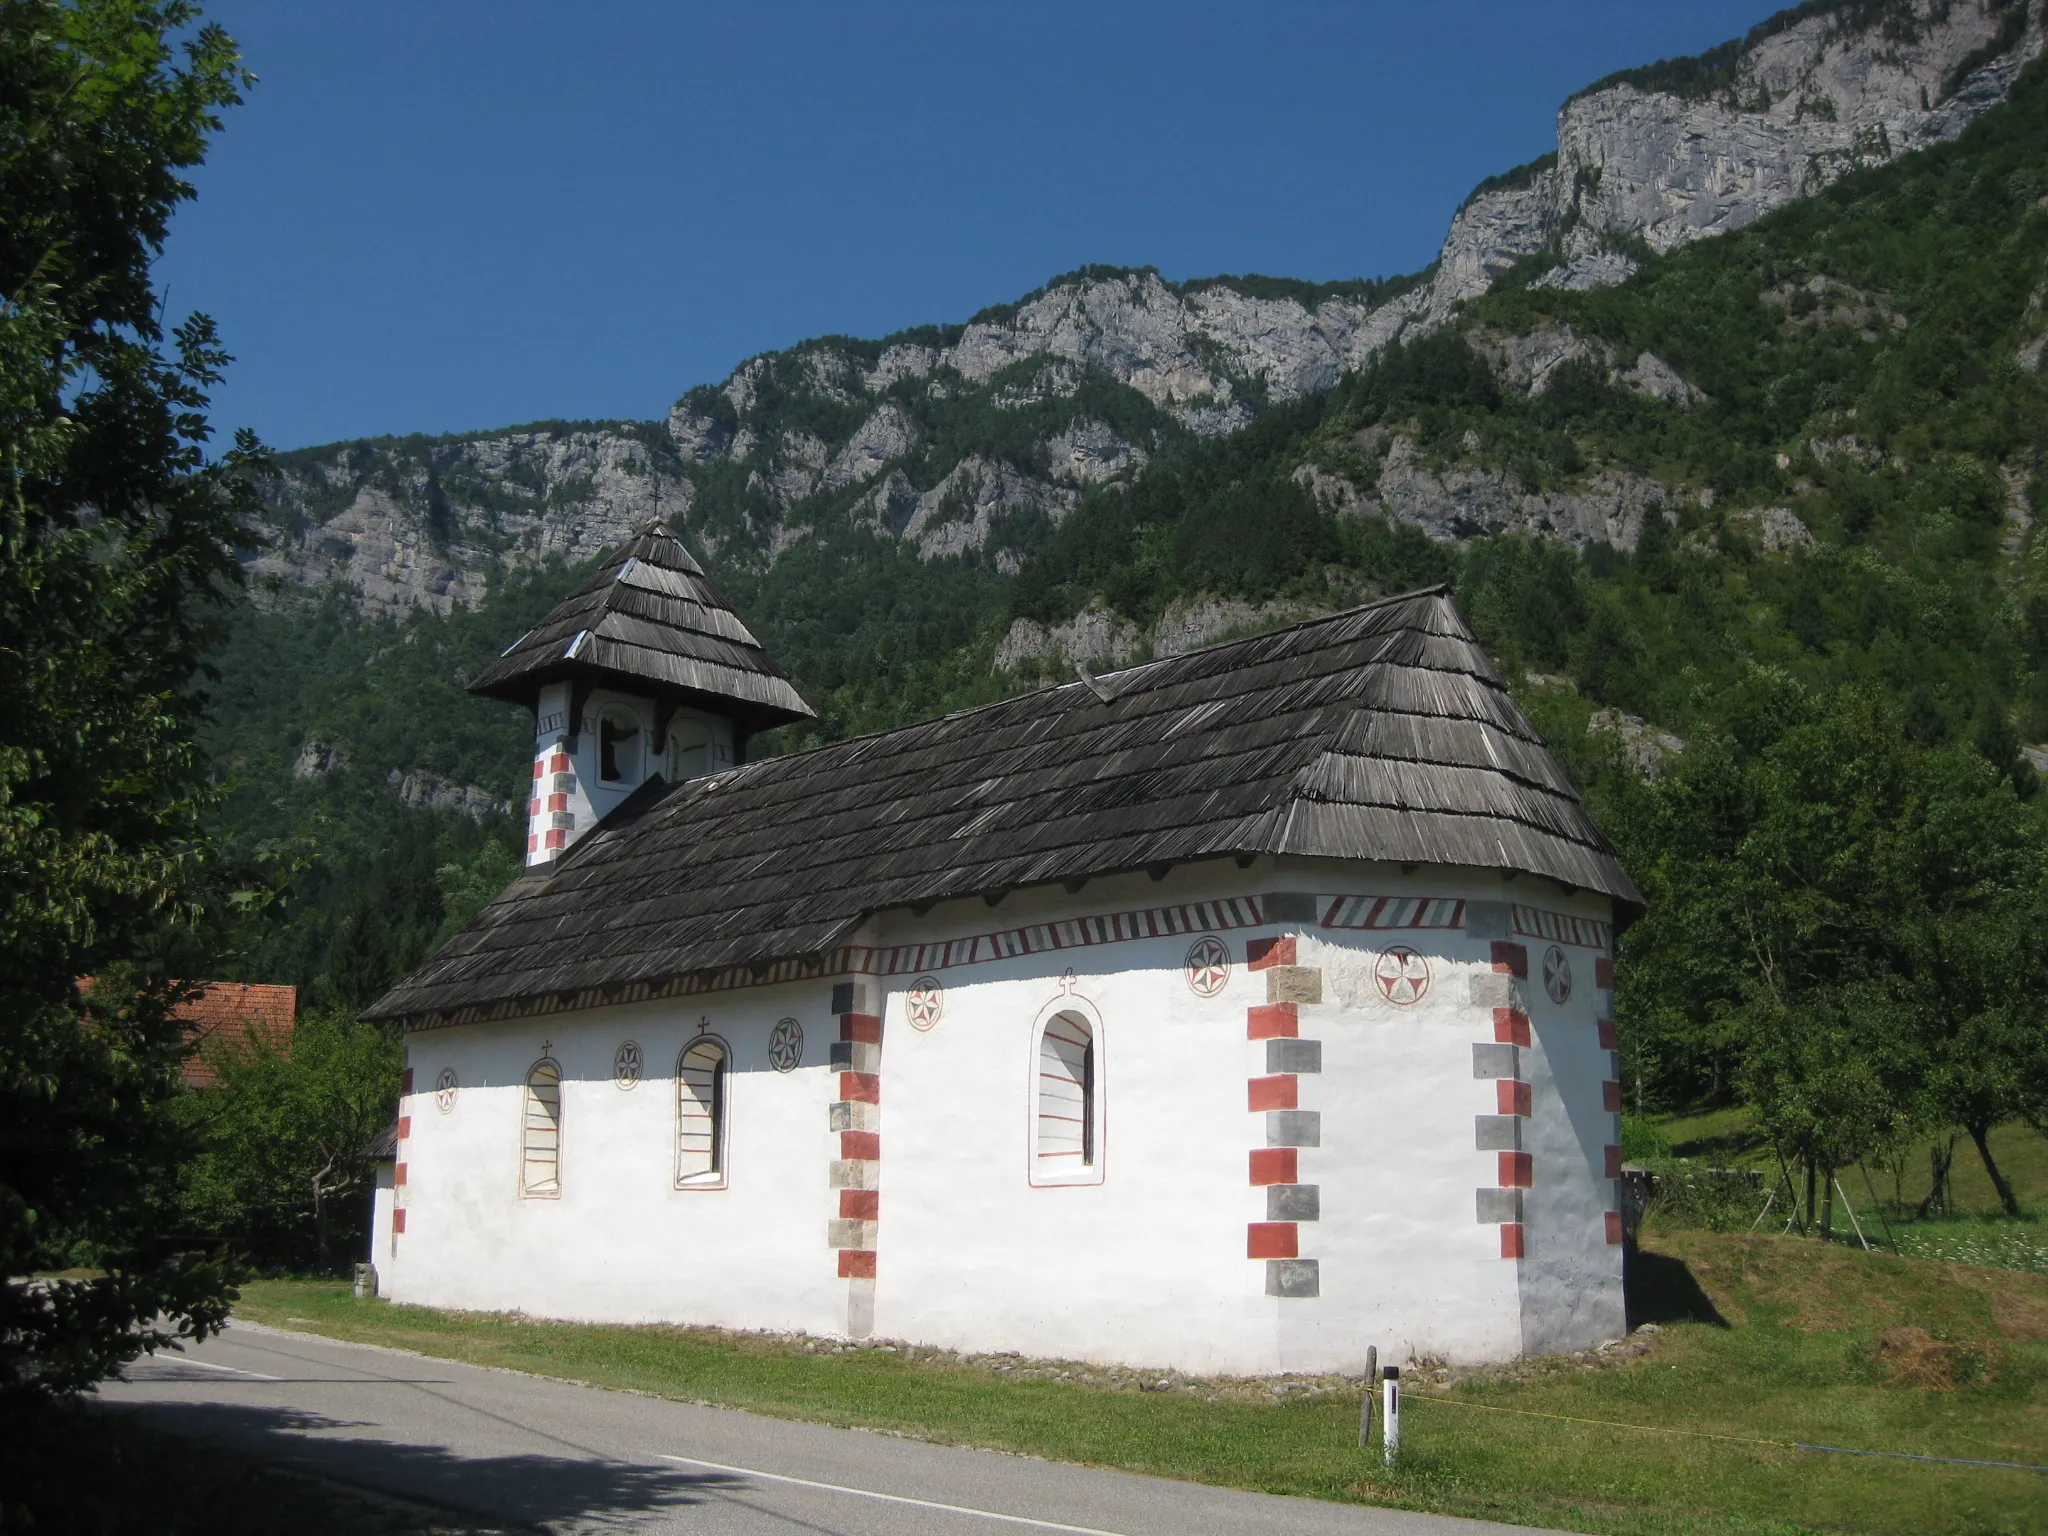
[{"x": 533, "y": 1490}]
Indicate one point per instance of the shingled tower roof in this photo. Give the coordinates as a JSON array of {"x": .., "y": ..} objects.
[
  {"x": 1379, "y": 734},
  {"x": 651, "y": 622}
]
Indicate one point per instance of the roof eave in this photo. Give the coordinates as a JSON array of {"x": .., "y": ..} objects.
[{"x": 522, "y": 687}]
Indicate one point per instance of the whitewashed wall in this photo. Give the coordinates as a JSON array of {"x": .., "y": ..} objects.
[
  {"x": 382, "y": 1204},
  {"x": 1149, "y": 1265},
  {"x": 621, "y": 1242}
]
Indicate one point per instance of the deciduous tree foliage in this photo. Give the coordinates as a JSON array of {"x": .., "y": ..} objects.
[
  {"x": 287, "y": 1136},
  {"x": 1844, "y": 924},
  {"x": 118, "y": 537}
]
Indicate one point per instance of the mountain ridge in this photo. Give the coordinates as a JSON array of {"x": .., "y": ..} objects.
[{"x": 978, "y": 438}]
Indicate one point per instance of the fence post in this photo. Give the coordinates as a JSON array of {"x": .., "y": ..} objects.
[{"x": 1372, "y": 1381}]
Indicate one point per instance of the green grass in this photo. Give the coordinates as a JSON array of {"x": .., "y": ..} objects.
[{"x": 1762, "y": 1339}]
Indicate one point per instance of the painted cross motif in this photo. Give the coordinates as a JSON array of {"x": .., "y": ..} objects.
[
  {"x": 626, "y": 1065},
  {"x": 924, "y": 1003},
  {"x": 786, "y": 1046},
  {"x": 1557, "y": 974},
  {"x": 444, "y": 1090},
  {"x": 1208, "y": 966},
  {"x": 1402, "y": 976}
]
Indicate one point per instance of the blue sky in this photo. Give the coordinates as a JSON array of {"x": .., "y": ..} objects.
[{"x": 443, "y": 216}]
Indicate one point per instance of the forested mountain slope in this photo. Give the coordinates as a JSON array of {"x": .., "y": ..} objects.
[{"x": 1764, "y": 472}]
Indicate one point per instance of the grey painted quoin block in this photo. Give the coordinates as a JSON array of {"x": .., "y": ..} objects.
[
  {"x": 846, "y": 1232},
  {"x": 855, "y": 1115},
  {"x": 1294, "y": 1202},
  {"x": 854, "y": 997},
  {"x": 853, "y": 1173},
  {"x": 1293, "y": 1056},
  {"x": 1294, "y": 984},
  {"x": 1294, "y": 1128},
  {"x": 1500, "y": 1205},
  {"x": 855, "y": 1056},
  {"x": 1496, "y": 1061},
  {"x": 1293, "y": 1277},
  {"x": 1497, "y": 1133}
]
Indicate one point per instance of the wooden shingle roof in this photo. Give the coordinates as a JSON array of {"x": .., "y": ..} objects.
[
  {"x": 650, "y": 621},
  {"x": 1381, "y": 733}
]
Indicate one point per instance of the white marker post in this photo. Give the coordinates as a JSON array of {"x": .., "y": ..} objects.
[{"x": 1390, "y": 1433}]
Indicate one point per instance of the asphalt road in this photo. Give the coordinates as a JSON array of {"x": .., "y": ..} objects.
[{"x": 549, "y": 1455}]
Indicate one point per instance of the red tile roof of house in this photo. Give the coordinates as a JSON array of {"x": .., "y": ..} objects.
[{"x": 234, "y": 1014}]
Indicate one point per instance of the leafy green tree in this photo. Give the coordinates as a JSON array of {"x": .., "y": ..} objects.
[
  {"x": 1847, "y": 917},
  {"x": 287, "y": 1135},
  {"x": 118, "y": 537}
]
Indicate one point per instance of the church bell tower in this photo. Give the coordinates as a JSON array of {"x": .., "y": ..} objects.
[{"x": 644, "y": 671}]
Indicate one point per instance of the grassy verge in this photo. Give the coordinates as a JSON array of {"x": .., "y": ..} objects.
[
  {"x": 1759, "y": 1338},
  {"x": 80, "y": 1470}
]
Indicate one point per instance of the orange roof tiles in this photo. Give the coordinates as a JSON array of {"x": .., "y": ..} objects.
[{"x": 231, "y": 1015}]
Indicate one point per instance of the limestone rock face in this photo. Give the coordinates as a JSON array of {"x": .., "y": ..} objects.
[
  {"x": 1092, "y": 637},
  {"x": 1463, "y": 501},
  {"x": 1804, "y": 105},
  {"x": 423, "y": 530},
  {"x": 1777, "y": 529},
  {"x": 418, "y": 787},
  {"x": 1181, "y": 348},
  {"x": 887, "y": 435},
  {"x": 1097, "y": 637},
  {"x": 959, "y": 513},
  {"x": 317, "y": 759},
  {"x": 1651, "y": 375},
  {"x": 1088, "y": 453},
  {"x": 1526, "y": 363},
  {"x": 1645, "y": 746}
]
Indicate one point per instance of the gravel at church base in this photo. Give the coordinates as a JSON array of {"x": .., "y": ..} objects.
[{"x": 1425, "y": 1372}]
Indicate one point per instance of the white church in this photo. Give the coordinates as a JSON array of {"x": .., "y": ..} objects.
[{"x": 1234, "y": 1012}]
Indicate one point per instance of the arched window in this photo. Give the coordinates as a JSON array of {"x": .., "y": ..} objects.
[
  {"x": 540, "y": 1173},
  {"x": 1066, "y": 1095},
  {"x": 689, "y": 750},
  {"x": 700, "y": 1114},
  {"x": 618, "y": 746}
]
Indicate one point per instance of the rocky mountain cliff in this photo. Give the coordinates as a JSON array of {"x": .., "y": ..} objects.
[
  {"x": 1654, "y": 157},
  {"x": 973, "y": 440}
]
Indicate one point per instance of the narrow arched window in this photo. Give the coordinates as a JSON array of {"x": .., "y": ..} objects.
[
  {"x": 700, "y": 1114},
  {"x": 618, "y": 746},
  {"x": 540, "y": 1171},
  {"x": 1066, "y": 1094},
  {"x": 689, "y": 751}
]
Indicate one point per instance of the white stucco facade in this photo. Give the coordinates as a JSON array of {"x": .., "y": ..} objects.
[{"x": 1383, "y": 1113}]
